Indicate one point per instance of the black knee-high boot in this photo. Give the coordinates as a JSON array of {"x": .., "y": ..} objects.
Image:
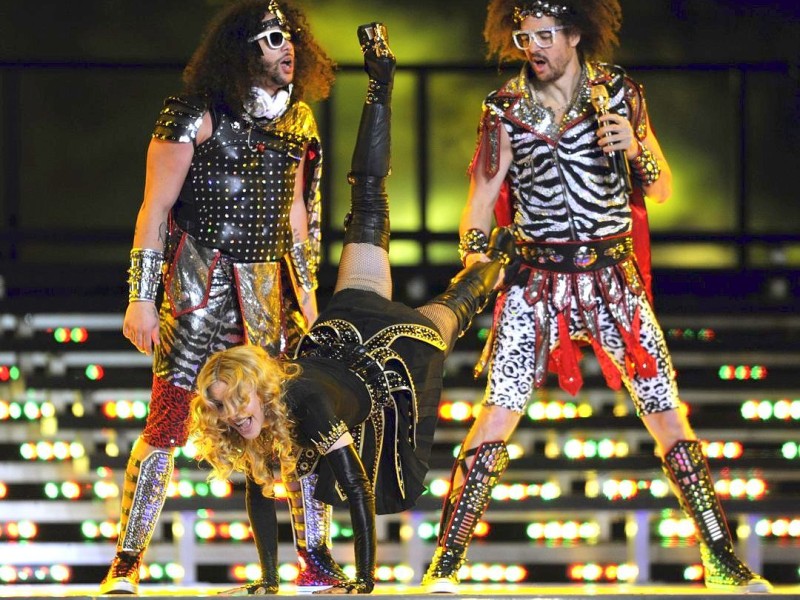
[
  {"x": 470, "y": 289},
  {"x": 368, "y": 220}
]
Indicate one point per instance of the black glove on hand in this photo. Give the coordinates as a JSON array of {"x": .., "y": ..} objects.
[{"x": 379, "y": 61}]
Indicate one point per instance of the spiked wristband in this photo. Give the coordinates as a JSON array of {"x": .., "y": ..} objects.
[
  {"x": 305, "y": 265},
  {"x": 144, "y": 274},
  {"x": 645, "y": 166},
  {"x": 473, "y": 240}
]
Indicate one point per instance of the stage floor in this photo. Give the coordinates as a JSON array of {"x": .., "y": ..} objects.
[{"x": 548, "y": 592}]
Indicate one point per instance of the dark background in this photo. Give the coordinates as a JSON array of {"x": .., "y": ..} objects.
[{"x": 81, "y": 83}]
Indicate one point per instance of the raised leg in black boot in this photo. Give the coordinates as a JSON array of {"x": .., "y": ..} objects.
[
  {"x": 365, "y": 257},
  {"x": 468, "y": 293}
]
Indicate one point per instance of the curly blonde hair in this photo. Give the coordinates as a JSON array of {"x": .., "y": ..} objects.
[
  {"x": 243, "y": 369},
  {"x": 597, "y": 21}
]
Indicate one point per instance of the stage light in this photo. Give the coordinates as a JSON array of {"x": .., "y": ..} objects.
[
  {"x": 221, "y": 489},
  {"x": 550, "y": 491},
  {"x": 94, "y": 372},
  {"x": 349, "y": 570},
  {"x": 288, "y": 572},
  {"x": 556, "y": 531},
  {"x": 783, "y": 409},
  {"x": 79, "y": 335},
  {"x": 205, "y": 530},
  {"x": 335, "y": 533},
  {"x": 790, "y": 450},
  {"x": 240, "y": 531},
  {"x": 556, "y": 410},
  {"x": 90, "y": 530},
  {"x": 593, "y": 572},
  {"x": 439, "y": 487},
  {"x": 403, "y": 573},
  {"x": 427, "y": 531},
  {"x": 742, "y": 372},
  {"x": 730, "y": 450},
  {"x": 693, "y": 573},
  {"x": 753, "y": 488},
  {"x": 481, "y": 529}
]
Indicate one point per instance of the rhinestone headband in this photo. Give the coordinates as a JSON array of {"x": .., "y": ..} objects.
[
  {"x": 276, "y": 10},
  {"x": 539, "y": 9}
]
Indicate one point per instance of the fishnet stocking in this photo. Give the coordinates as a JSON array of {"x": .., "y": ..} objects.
[
  {"x": 445, "y": 321},
  {"x": 365, "y": 267}
]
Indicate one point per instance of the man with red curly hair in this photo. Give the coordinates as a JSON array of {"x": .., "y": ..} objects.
[
  {"x": 568, "y": 147},
  {"x": 230, "y": 224}
]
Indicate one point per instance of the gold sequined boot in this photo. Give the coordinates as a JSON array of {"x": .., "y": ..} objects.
[
  {"x": 687, "y": 468},
  {"x": 462, "y": 510}
]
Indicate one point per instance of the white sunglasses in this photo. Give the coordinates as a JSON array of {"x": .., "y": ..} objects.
[{"x": 276, "y": 38}]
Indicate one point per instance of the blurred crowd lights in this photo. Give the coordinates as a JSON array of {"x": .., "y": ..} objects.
[
  {"x": 167, "y": 572},
  {"x": 37, "y": 574},
  {"x": 625, "y": 489},
  {"x": 753, "y": 488},
  {"x": 596, "y": 573},
  {"x": 783, "y": 409},
  {"x": 185, "y": 488},
  {"x": 52, "y": 451},
  {"x": 778, "y": 528},
  {"x": 65, "y": 335},
  {"x": 790, "y": 450},
  {"x": 538, "y": 531},
  {"x": 95, "y": 372},
  {"x": 564, "y": 531},
  {"x": 742, "y": 372},
  {"x": 539, "y": 410},
  {"x": 580, "y": 449},
  {"x": 704, "y": 334},
  {"x": 106, "y": 488},
  {"x": 9, "y": 373},
  {"x": 125, "y": 410},
  {"x": 18, "y": 530},
  {"x": 26, "y": 410},
  {"x": 506, "y": 491},
  {"x": 208, "y": 530},
  {"x": 100, "y": 530},
  {"x": 730, "y": 450},
  {"x": 288, "y": 572}
]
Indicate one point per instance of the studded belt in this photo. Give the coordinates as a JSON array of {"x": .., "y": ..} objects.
[{"x": 576, "y": 257}]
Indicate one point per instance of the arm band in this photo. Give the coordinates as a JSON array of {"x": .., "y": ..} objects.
[
  {"x": 305, "y": 265},
  {"x": 645, "y": 166},
  {"x": 144, "y": 274},
  {"x": 473, "y": 240}
]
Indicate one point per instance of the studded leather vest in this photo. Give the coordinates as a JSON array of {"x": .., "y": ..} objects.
[{"x": 240, "y": 187}]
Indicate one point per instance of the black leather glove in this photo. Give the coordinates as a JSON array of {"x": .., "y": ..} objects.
[
  {"x": 379, "y": 61},
  {"x": 353, "y": 480}
]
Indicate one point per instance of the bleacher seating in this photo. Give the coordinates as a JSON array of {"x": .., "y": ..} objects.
[{"x": 584, "y": 488}]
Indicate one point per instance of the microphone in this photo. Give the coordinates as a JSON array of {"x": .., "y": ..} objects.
[{"x": 617, "y": 160}]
